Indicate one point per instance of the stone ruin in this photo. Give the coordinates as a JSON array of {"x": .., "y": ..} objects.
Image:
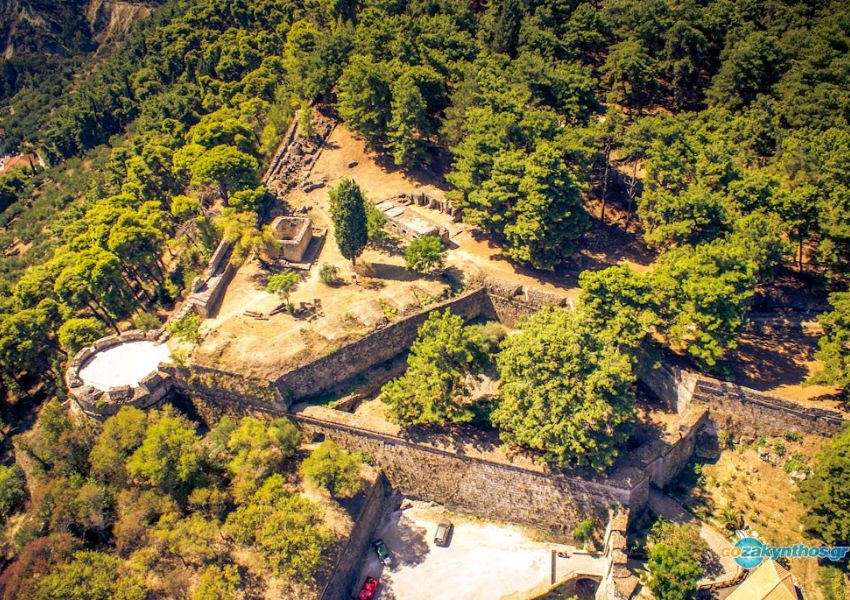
[
  {"x": 100, "y": 403},
  {"x": 423, "y": 199},
  {"x": 410, "y": 223},
  {"x": 208, "y": 289},
  {"x": 294, "y": 235}
]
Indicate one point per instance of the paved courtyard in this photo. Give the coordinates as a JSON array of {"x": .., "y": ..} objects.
[{"x": 484, "y": 561}]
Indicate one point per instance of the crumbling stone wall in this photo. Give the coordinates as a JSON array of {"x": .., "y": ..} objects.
[
  {"x": 737, "y": 408},
  {"x": 511, "y": 303},
  {"x": 618, "y": 583},
  {"x": 239, "y": 393}
]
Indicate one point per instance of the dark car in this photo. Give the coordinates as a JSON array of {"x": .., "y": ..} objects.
[
  {"x": 367, "y": 592},
  {"x": 444, "y": 533},
  {"x": 382, "y": 551}
]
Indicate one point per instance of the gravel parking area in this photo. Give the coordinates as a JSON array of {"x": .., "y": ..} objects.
[{"x": 484, "y": 560}]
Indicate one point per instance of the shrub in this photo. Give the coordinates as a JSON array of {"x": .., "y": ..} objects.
[
  {"x": 583, "y": 531},
  {"x": 375, "y": 222},
  {"x": 283, "y": 284},
  {"x": 187, "y": 328},
  {"x": 425, "y": 254},
  {"x": 147, "y": 321},
  {"x": 675, "y": 554},
  {"x": 492, "y": 333},
  {"x": 218, "y": 583},
  {"x": 831, "y": 583},
  {"x": 329, "y": 274},
  {"x": 12, "y": 490},
  {"x": 78, "y": 333}
]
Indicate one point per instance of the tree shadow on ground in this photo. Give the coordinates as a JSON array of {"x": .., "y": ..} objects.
[
  {"x": 395, "y": 272},
  {"x": 406, "y": 540},
  {"x": 353, "y": 505},
  {"x": 389, "y": 245},
  {"x": 772, "y": 352},
  {"x": 455, "y": 437},
  {"x": 711, "y": 565}
]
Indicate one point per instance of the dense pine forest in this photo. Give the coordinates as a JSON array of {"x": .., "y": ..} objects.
[{"x": 719, "y": 128}]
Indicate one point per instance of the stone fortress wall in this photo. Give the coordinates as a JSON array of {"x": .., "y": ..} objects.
[
  {"x": 733, "y": 407},
  {"x": 343, "y": 578},
  {"x": 551, "y": 501},
  {"x": 328, "y": 372}
]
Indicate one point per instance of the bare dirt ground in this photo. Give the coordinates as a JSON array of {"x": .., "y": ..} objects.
[
  {"x": 484, "y": 560},
  {"x": 762, "y": 492},
  {"x": 776, "y": 355}
]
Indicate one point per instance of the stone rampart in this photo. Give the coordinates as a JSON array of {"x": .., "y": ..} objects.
[
  {"x": 550, "y": 501},
  {"x": 618, "y": 583},
  {"x": 343, "y": 578},
  {"x": 732, "y": 406},
  {"x": 326, "y": 373},
  {"x": 238, "y": 394},
  {"x": 738, "y": 408},
  {"x": 101, "y": 404},
  {"x": 511, "y": 303}
]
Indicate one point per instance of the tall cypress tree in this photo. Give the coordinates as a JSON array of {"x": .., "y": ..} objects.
[{"x": 348, "y": 211}]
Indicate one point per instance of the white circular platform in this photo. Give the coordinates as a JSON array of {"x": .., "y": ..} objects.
[{"x": 124, "y": 364}]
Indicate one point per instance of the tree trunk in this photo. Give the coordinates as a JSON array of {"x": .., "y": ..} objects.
[
  {"x": 632, "y": 190},
  {"x": 103, "y": 315},
  {"x": 605, "y": 183}
]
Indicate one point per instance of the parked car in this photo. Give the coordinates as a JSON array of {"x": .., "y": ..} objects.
[
  {"x": 444, "y": 533},
  {"x": 382, "y": 551},
  {"x": 367, "y": 592}
]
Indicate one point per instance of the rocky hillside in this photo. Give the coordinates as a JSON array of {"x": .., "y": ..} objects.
[
  {"x": 64, "y": 27},
  {"x": 35, "y": 33}
]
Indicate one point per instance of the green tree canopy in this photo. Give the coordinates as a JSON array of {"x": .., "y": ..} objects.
[
  {"x": 826, "y": 492},
  {"x": 286, "y": 527},
  {"x": 169, "y": 456},
  {"x": 283, "y": 284},
  {"x": 673, "y": 565},
  {"x": 226, "y": 167},
  {"x": 12, "y": 490},
  {"x": 434, "y": 387},
  {"x": 77, "y": 333},
  {"x": 91, "y": 576},
  {"x": 121, "y": 436},
  {"x": 425, "y": 254},
  {"x": 565, "y": 390},
  {"x": 258, "y": 449},
  {"x": 348, "y": 212},
  {"x": 334, "y": 469},
  {"x": 834, "y": 345}
]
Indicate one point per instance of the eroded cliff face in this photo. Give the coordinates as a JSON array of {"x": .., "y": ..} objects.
[{"x": 65, "y": 27}]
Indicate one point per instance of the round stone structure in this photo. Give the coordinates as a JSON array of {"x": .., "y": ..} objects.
[{"x": 120, "y": 370}]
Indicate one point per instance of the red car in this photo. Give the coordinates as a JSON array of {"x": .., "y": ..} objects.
[{"x": 367, "y": 592}]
